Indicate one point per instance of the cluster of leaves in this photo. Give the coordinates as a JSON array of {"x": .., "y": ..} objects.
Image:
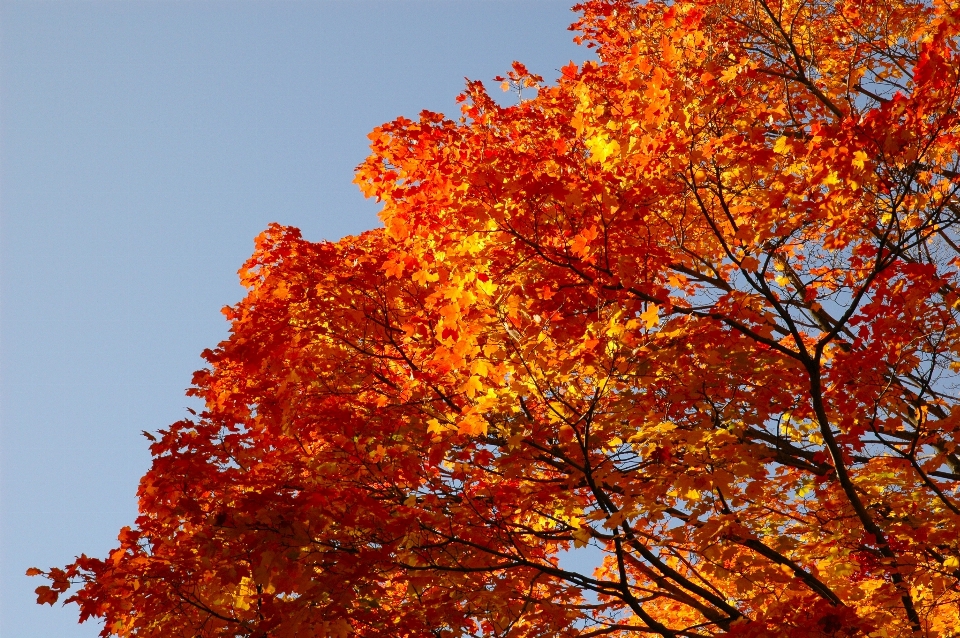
[{"x": 694, "y": 306}]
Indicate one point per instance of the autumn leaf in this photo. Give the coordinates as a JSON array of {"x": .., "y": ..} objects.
[
  {"x": 650, "y": 316},
  {"x": 46, "y": 596}
]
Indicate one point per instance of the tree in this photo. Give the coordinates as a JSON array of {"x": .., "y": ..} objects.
[{"x": 694, "y": 305}]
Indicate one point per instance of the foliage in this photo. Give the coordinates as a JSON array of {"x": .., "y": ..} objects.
[{"x": 695, "y": 305}]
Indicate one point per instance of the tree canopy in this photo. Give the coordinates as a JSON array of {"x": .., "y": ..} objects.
[{"x": 692, "y": 310}]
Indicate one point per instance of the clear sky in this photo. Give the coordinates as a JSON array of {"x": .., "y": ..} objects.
[{"x": 143, "y": 145}]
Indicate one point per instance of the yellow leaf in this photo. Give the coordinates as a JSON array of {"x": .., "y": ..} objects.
[
  {"x": 651, "y": 316},
  {"x": 730, "y": 74},
  {"x": 472, "y": 424},
  {"x": 487, "y": 287},
  {"x": 581, "y": 537},
  {"x": 244, "y": 592},
  {"x": 601, "y": 148},
  {"x": 480, "y": 367},
  {"x": 952, "y": 563},
  {"x": 424, "y": 276},
  {"x": 471, "y": 386},
  {"x": 393, "y": 268},
  {"x": 831, "y": 179}
]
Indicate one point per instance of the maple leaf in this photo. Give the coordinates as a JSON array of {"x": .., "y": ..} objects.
[
  {"x": 46, "y": 595},
  {"x": 650, "y": 316}
]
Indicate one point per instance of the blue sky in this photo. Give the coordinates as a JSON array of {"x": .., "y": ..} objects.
[{"x": 143, "y": 145}]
